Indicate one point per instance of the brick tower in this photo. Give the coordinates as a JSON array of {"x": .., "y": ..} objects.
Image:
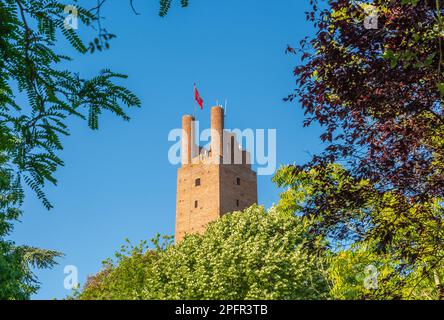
[{"x": 211, "y": 182}]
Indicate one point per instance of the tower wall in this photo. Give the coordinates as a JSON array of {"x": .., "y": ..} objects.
[
  {"x": 234, "y": 196},
  {"x": 190, "y": 219}
]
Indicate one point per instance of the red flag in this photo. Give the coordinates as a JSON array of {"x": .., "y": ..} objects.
[{"x": 197, "y": 97}]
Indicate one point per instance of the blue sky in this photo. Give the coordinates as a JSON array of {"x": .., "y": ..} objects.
[{"x": 117, "y": 182}]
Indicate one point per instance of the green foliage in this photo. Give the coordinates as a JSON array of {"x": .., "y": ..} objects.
[
  {"x": 349, "y": 272},
  {"x": 30, "y": 132},
  {"x": 404, "y": 240},
  {"x": 378, "y": 95},
  {"x": 252, "y": 254},
  {"x": 165, "y": 6},
  {"x": 17, "y": 281},
  {"x": 53, "y": 95},
  {"x": 284, "y": 253}
]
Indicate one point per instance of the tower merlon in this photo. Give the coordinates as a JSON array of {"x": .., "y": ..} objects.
[
  {"x": 217, "y": 131},
  {"x": 188, "y": 140}
]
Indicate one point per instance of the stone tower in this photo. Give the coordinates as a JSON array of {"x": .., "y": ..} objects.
[{"x": 214, "y": 181}]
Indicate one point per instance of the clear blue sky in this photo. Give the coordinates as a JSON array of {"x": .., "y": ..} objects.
[{"x": 117, "y": 182}]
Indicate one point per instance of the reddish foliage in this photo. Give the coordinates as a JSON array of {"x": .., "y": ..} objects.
[{"x": 383, "y": 117}]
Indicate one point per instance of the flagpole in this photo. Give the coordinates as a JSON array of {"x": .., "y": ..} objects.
[{"x": 194, "y": 111}]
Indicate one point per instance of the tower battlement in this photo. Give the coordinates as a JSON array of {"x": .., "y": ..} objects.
[{"x": 211, "y": 182}]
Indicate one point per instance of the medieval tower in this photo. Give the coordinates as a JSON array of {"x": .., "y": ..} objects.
[{"x": 213, "y": 181}]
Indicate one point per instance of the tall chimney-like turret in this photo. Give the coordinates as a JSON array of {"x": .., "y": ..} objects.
[
  {"x": 217, "y": 129},
  {"x": 187, "y": 139}
]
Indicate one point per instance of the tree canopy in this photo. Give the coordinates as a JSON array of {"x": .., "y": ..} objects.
[
  {"x": 377, "y": 92},
  {"x": 265, "y": 254},
  {"x": 402, "y": 241},
  {"x": 38, "y": 100},
  {"x": 254, "y": 254}
]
